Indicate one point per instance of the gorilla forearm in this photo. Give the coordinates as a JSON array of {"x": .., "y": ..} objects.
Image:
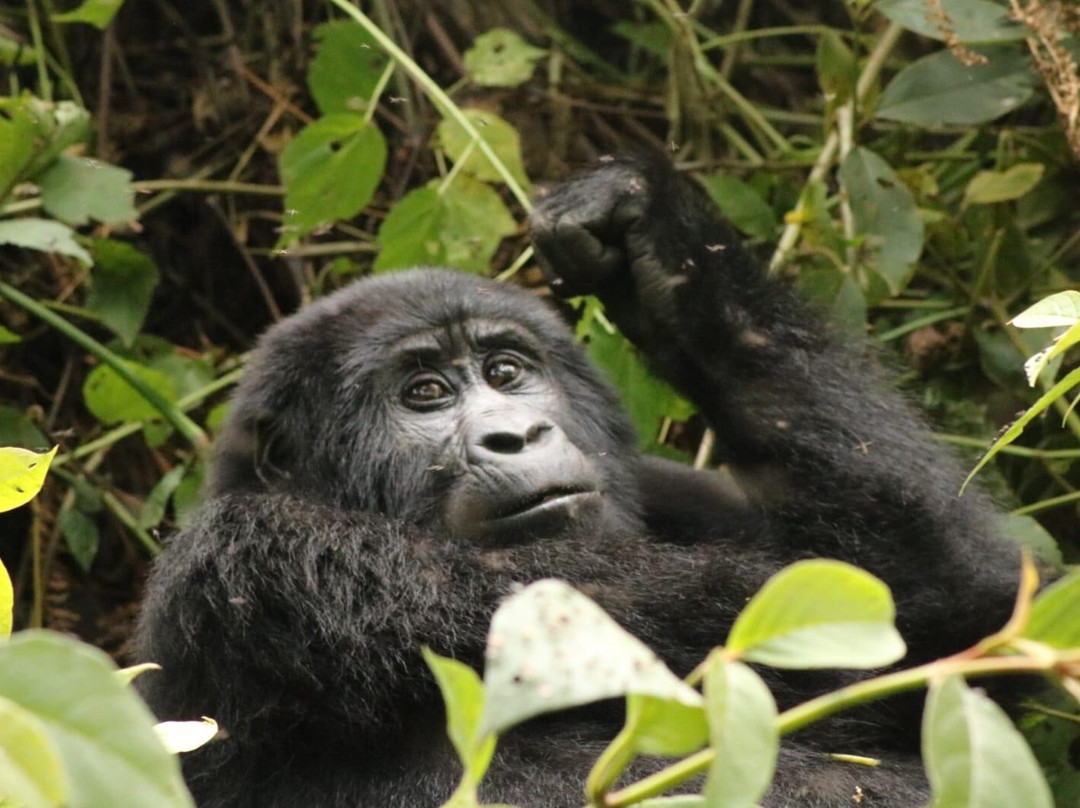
[{"x": 840, "y": 464}]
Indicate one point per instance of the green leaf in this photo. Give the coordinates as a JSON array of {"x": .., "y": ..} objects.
[
  {"x": 819, "y": 614},
  {"x": 971, "y": 20},
  {"x": 665, "y": 727},
  {"x": 103, "y": 732},
  {"x": 43, "y": 235},
  {"x": 686, "y": 801},
  {"x": 98, "y": 13},
  {"x": 77, "y": 189},
  {"x": 501, "y": 58},
  {"x": 885, "y": 213},
  {"x": 330, "y": 170},
  {"x": 741, "y": 205},
  {"x": 647, "y": 399},
  {"x": 81, "y": 534},
  {"x": 974, "y": 756},
  {"x": 742, "y": 726},
  {"x": 1017, "y": 427},
  {"x": 8, "y": 337},
  {"x": 501, "y": 136},
  {"x": 129, "y": 674},
  {"x": 22, "y": 473},
  {"x": 550, "y": 648},
  {"x": 652, "y": 37},
  {"x": 346, "y": 68},
  {"x": 31, "y": 775},
  {"x": 121, "y": 286},
  {"x": 460, "y": 227},
  {"x": 835, "y": 293},
  {"x": 112, "y": 400},
  {"x": 1059, "y": 309},
  {"x": 988, "y": 187},
  {"x": 185, "y": 736},
  {"x": 1053, "y": 618},
  {"x": 17, "y": 428},
  {"x": 153, "y": 509},
  {"x": 837, "y": 68},
  {"x": 1027, "y": 532},
  {"x": 463, "y": 695},
  {"x": 7, "y": 602},
  {"x": 14, "y": 53},
  {"x": 939, "y": 90},
  {"x": 33, "y": 132}
]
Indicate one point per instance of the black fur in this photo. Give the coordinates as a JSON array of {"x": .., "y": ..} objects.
[{"x": 293, "y": 609}]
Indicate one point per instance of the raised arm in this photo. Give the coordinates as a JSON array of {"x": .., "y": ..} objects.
[{"x": 838, "y": 463}]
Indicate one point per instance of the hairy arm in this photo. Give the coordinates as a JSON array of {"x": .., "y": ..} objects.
[{"x": 838, "y": 463}]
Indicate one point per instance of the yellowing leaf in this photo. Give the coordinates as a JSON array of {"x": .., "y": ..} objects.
[
  {"x": 7, "y": 602},
  {"x": 22, "y": 473},
  {"x": 185, "y": 736},
  {"x": 987, "y": 187}
]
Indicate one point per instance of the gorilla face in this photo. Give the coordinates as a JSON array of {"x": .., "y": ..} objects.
[
  {"x": 479, "y": 399},
  {"x": 436, "y": 398}
]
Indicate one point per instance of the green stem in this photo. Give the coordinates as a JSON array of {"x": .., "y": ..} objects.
[
  {"x": 816, "y": 709},
  {"x": 1045, "y": 504},
  {"x": 128, "y": 520},
  {"x": 440, "y": 98},
  {"x": 209, "y": 187},
  {"x": 922, "y": 322},
  {"x": 1019, "y": 451},
  {"x": 113, "y": 436},
  {"x": 184, "y": 425},
  {"x": 762, "y": 33}
]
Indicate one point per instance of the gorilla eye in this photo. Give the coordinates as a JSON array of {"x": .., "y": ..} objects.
[
  {"x": 502, "y": 370},
  {"x": 425, "y": 392}
]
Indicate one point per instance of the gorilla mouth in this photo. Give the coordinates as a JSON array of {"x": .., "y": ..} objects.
[{"x": 557, "y": 497}]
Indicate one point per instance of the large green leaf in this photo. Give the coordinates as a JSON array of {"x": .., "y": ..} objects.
[
  {"x": 972, "y": 21},
  {"x": 974, "y": 756},
  {"x": 501, "y": 58},
  {"x": 346, "y": 68},
  {"x": 1053, "y": 311},
  {"x": 31, "y": 775},
  {"x": 647, "y": 399},
  {"x": 77, "y": 189},
  {"x": 121, "y": 286},
  {"x": 501, "y": 136},
  {"x": 103, "y": 733},
  {"x": 940, "y": 90},
  {"x": 742, "y": 728},
  {"x": 459, "y": 226},
  {"x": 742, "y": 205},
  {"x": 1054, "y": 614},
  {"x": 819, "y": 614},
  {"x": 22, "y": 473},
  {"x": 885, "y": 215},
  {"x": 550, "y": 648},
  {"x": 43, "y": 235},
  {"x": 331, "y": 170},
  {"x": 111, "y": 400}
]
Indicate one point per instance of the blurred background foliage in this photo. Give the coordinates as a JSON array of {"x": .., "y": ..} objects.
[{"x": 175, "y": 177}]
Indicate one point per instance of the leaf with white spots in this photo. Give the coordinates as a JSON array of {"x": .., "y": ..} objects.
[{"x": 550, "y": 648}]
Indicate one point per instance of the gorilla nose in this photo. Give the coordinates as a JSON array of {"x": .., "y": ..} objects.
[{"x": 511, "y": 440}]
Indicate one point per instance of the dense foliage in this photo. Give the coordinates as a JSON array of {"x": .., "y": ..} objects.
[{"x": 175, "y": 177}]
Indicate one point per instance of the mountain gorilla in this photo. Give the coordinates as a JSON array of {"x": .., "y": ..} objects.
[{"x": 403, "y": 452}]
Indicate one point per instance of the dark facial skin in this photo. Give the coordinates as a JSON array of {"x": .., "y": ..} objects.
[{"x": 479, "y": 400}]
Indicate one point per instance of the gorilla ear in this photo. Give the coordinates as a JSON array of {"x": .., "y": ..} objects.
[{"x": 272, "y": 456}]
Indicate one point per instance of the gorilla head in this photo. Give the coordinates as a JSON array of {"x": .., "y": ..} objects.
[{"x": 436, "y": 398}]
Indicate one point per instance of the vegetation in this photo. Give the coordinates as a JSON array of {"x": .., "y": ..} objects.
[{"x": 174, "y": 178}]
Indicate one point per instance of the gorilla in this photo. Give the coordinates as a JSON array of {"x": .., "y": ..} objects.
[{"x": 403, "y": 452}]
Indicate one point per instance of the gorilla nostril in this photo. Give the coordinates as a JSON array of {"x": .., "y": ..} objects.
[{"x": 504, "y": 442}]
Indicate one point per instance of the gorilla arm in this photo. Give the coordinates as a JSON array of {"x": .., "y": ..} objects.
[{"x": 838, "y": 465}]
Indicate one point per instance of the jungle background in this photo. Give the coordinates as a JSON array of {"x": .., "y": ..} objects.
[{"x": 175, "y": 177}]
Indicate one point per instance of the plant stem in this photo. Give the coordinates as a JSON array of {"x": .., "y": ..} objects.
[
  {"x": 823, "y": 706},
  {"x": 169, "y": 412},
  {"x": 874, "y": 63},
  {"x": 440, "y": 98},
  {"x": 128, "y": 520}
]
